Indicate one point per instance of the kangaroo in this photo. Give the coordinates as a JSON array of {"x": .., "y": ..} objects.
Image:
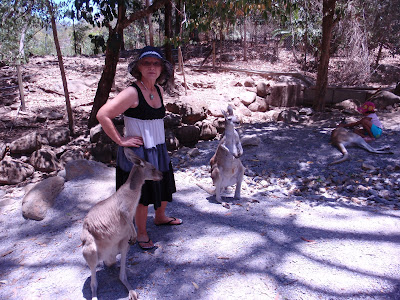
[
  {"x": 226, "y": 167},
  {"x": 342, "y": 137},
  {"x": 108, "y": 227}
]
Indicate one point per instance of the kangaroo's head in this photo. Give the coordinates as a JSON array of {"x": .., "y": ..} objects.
[
  {"x": 146, "y": 169},
  {"x": 232, "y": 140}
]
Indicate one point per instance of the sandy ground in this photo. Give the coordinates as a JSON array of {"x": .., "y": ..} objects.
[{"x": 268, "y": 245}]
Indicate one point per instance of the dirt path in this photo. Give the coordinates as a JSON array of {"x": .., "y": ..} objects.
[{"x": 274, "y": 243}]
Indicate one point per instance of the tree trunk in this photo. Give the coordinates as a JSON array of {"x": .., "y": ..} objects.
[
  {"x": 151, "y": 31},
  {"x": 112, "y": 54},
  {"x": 378, "y": 57},
  {"x": 61, "y": 65},
  {"x": 244, "y": 40},
  {"x": 107, "y": 77},
  {"x": 19, "y": 74},
  {"x": 168, "y": 24},
  {"x": 328, "y": 11},
  {"x": 178, "y": 18}
]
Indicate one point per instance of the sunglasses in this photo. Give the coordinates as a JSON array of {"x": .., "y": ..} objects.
[{"x": 149, "y": 63}]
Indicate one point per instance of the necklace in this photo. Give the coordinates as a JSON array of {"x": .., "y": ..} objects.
[{"x": 151, "y": 95}]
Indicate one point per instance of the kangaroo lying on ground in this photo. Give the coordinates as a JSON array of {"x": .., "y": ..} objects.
[
  {"x": 342, "y": 137},
  {"x": 226, "y": 167},
  {"x": 108, "y": 227}
]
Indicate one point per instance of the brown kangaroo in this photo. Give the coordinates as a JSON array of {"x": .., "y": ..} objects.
[
  {"x": 108, "y": 227},
  {"x": 226, "y": 167},
  {"x": 342, "y": 137}
]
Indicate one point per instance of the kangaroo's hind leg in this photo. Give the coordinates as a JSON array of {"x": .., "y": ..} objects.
[{"x": 124, "y": 246}]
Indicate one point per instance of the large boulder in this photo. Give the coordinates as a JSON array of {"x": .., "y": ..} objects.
[
  {"x": 82, "y": 168},
  {"x": 188, "y": 135},
  {"x": 58, "y": 136},
  {"x": 207, "y": 130},
  {"x": 13, "y": 171},
  {"x": 44, "y": 160},
  {"x": 191, "y": 110},
  {"x": 41, "y": 197},
  {"x": 382, "y": 99},
  {"x": 26, "y": 144}
]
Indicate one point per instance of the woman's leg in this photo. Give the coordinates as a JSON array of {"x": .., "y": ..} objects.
[
  {"x": 141, "y": 226},
  {"x": 161, "y": 217}
]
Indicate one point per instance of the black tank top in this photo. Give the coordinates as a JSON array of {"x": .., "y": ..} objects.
[{"x": 144, "y": 111}]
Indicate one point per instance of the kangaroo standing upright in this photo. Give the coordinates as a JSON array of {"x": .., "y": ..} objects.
[
  {"x": 226, "y": 167},
  {"x": 342, "y": 137},
  {"x": 108, "y": 227}
]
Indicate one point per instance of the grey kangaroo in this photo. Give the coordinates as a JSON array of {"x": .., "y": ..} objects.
[
  {"x": 108, "y": 227},
  {"x": 226, "y": 167},
  {"x": 341, "y": 138}
]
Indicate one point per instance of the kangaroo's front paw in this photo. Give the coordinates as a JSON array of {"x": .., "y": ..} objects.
[
  {"x": 133, "y": 295},
  {"x": 132, "y": 240}
]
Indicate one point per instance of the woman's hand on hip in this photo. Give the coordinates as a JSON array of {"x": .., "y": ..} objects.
[{"x": 131, "y": 141}]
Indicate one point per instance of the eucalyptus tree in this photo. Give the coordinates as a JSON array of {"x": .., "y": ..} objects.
[
  {"x": 115, "y": 15},
  {"x": 383, "y": 25},
  {"x": 17, "y": 17}
]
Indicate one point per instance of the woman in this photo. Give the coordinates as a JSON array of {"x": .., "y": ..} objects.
[{"x": 143, "y": 109}]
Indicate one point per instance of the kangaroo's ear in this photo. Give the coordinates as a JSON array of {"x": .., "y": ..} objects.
[
  {"x": 224, "y": 113},
  {"x": 230, "y": 110},
  {"x": 132, "y": 157}
]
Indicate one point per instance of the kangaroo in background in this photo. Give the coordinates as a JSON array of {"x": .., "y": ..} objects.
[
  {"x": 108, "y": 227},
  {"x": 226, "y": 167},
  {"x": 341, "y": 138}
]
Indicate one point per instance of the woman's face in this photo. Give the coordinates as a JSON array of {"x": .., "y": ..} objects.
[{"x": 150, "y": 68}]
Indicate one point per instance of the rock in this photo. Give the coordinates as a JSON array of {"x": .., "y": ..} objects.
[
  {"x": 272, "y": 115},
  {"x": 58, "y": 137},
  {"x": 306, "y": 111},
  {"x": 243, "y": 110},
  {"x": 382, "y": 99},
  {"x": 82, "y": 168},
  {"x": 172, "y": 120},
  {"x": 348, "y": 104},
  {"x": 53, "y": 115},
  {"x": 289, "y": 116},
  {"x": 207, "y": 131},
  {"x": 263, "y": 89},
  {"x": 216, "y": 108},
  {"x": 95, "y": 133},
  {"x": 247, "y": 97},
  {"x": 235, "y": 83},
  {"x": 26, "y": 144},
  {"x": 41, "y": 197},
  {"x": 13, "y": 171},
  {"x": 72, "y": 154},
  {"x": 103, "y": 152},
  {"x": 188, "y": 135},
  {"x": 259, "y": 105},
  {"x": 367, "y": 167},
  {"x": 194, "y": 152},
  {"x": 250, "y": 140},
  {"x": 191, "y": 110},
  {"x": 44, "y": 160},
  {"x": 248, "y": 82}
]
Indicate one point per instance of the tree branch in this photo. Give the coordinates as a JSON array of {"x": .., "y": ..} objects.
[{"x": 157, "y": 4}]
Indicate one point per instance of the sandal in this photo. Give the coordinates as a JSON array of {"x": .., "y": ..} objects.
[
  {"x": 145, "y": 242},
  {"x": 169, "y": 223}
]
